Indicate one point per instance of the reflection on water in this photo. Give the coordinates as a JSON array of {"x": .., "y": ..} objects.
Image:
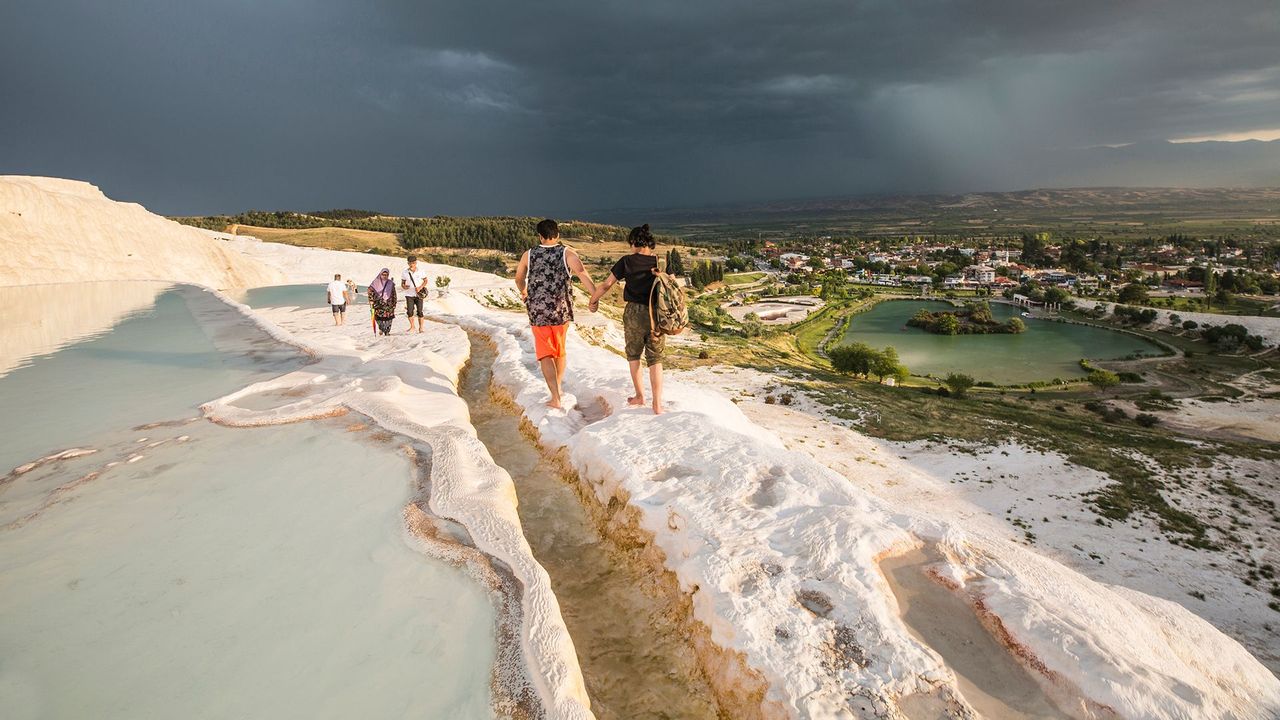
[
  {"x": 176, "y": 568},
  {"x": 157, "y": 363},
  {"x": 41, "y": 319},
  {"x": 634, "y": 662},
  {"x": 1045, "y": 351}
]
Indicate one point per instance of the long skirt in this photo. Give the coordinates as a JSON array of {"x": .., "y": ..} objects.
[{"x": 384, "y": 324}]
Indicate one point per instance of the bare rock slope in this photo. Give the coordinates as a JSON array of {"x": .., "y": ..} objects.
[{"x": 56, "y": 231}]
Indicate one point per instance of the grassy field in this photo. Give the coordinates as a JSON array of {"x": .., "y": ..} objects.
[
  {"x": 736, "y": 279},
  {"x": 330, "y": 238},
  {"x": 598, "y": 256},
  {"x": 1240, "y": 305}
]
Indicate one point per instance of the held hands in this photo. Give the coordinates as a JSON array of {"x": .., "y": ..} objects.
[{"x": 593, "y": 305}]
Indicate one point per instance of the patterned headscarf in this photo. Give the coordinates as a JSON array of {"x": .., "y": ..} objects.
[{"x": 383, "y": 287}]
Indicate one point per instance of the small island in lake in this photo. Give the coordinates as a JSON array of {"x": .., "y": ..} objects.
[{"x": 973, "y": 319}]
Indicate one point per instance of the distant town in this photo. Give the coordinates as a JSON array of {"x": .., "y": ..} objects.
[{"x": 1176, "y": 271}]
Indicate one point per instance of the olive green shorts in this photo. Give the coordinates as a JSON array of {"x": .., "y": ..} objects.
[{"x": 639, "y": 340}]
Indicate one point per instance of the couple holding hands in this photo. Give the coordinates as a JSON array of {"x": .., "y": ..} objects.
[{"x": 544, "y": 279}]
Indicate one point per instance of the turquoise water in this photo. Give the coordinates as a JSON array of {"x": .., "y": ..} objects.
[
  {"x": 158, "y": 363},
  {"x": 1045, "y": 351},
  {"x": 183, "y": 569},
  {"x": 293, "y": 296}
]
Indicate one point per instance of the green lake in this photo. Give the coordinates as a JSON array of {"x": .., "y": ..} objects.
[{"x": 1045, "y": 351}]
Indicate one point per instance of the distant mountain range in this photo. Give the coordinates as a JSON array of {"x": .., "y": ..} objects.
[{"x": 1147, "y": 177}]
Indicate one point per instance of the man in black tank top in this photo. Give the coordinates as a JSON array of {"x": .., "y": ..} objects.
[{"x": 543, "y": 278}]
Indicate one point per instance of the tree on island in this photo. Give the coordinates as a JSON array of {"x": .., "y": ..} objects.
[
  {"x": 1103, "y": 379},
  {"x": 958, "y": 384},
  {"x": 974, "y": 319},
  {"x": 946, "y": 324}
]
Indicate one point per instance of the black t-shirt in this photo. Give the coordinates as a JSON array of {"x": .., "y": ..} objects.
[{"x": 636, "y": 272}]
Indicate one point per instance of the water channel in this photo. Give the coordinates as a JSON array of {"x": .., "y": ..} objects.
[{"x": 635, "y": 662}]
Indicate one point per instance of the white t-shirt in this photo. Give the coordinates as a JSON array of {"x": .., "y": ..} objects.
[
  {"x": 337, "y": 292},
  {"x": 414, "y": 278}
]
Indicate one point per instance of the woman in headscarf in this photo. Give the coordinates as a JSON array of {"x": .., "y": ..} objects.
[{"x": 382, "y": 300}]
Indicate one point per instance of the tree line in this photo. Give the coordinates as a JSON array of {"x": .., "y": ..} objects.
[{"x": 505, "y": 233}]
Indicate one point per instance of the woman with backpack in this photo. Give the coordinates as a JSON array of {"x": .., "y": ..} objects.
[{"x": 637, "y": 272}]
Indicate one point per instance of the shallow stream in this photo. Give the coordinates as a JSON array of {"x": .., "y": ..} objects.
[{"x": 635, "y": 661}]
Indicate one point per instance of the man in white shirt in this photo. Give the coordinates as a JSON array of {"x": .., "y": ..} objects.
[
  {"x": 413, "y": 284},
  {"x": 337, "y": 294}
]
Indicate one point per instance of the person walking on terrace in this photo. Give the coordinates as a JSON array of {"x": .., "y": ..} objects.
[
  {"x": 337, "y": 292},
  {"x": 544, "y": 280},
  {"x": 414, "y": 284},
  {"x": 637, "y": 272},
  {"x": 382, "y": 301}
]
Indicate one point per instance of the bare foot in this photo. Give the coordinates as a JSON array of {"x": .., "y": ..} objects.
[
  {"x": 657, "y": 409},
  {"x": 636, "y": 400},
  {"x": 554, "y": 404}
]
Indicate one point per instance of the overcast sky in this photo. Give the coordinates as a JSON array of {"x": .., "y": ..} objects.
[{"x": 555, "y": 106}]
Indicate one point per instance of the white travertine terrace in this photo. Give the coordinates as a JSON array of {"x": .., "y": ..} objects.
[{"x": 779, "y": 553}]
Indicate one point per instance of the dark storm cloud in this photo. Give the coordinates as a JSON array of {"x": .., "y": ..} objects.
[{"x": 519, "y": 107}]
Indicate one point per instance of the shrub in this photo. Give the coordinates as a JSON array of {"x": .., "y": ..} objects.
[
  {"x": 1147, "y": 419},
  {"x": 958, "y": 383}
]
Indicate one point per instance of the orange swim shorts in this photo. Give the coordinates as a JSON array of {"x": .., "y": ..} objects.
[{"x": 548, "y": 340}]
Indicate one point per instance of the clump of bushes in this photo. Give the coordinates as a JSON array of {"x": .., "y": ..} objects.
[
  {"x": 1231, "y": 337},
  {"x": 1106, "y": 412},
  {"x": 974, "y": 319},
  {"x": 1147, "y": 419},
  {"x": 1137, "y": 316},
  {"x": 863, "y": 360},
  {"x": 1155, "y": 400},
  {"x": 958, "y": 384}
]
